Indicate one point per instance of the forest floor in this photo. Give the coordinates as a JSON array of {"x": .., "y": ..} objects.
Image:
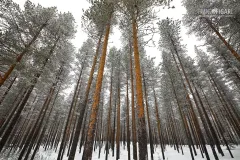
[{"x": 170, "y": 154}]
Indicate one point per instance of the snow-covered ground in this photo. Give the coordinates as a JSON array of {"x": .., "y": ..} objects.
[{"x": 170, "y": 154}]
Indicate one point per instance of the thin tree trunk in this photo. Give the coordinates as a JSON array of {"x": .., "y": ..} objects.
[
  {"x": 118, "y": 122},
  {"x": 100, "y": 142},
  {"x": 55, "y": 133},
  {"x": 114, "y": 127},
  {"x": 134, "y": 134},
  {"x": 83, "y": 137},
  {"x": 149, "y": 123},
  {"x": 158, "y": 124},
  {"x": 108, "y": 140},
  {"x": 128, "y": 129}
]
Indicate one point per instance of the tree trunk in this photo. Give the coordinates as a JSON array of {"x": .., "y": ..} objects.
[
  {"x": 66, "y": 128},
  {"x": 186, "y": 129},
  {"x": 134, "y": 134},
  {"x": 114, "y": 127},
  {"x": 191, "y": 91},
  {"x": 38, "y": 143},
  {"x": 128, "y": 129},
  {"x": 87, "y": 153},
  {"x": 142, "y": 133},
  {"x": 84, "y": 105},
  {"x": 38, "y": 129},
  {"x": 22, "y": 92},
  {"x": 19, "y": 57},
  {"x": 158, "y": 124},
  {"x": 118, "y": 122},
  {"x": 38, "y": 124},
  {"x": 234, "y": 53},
  {"x": 108, "y": 140},
  {"x": 208, "y": 133},
  {"x": 148, "y": 118},
  {"x": 8, "y": 89},
  {"x": 214, "y": 134}
]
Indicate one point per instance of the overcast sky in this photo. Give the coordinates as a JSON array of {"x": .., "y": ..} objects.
[{"x": 76, "y": 6}]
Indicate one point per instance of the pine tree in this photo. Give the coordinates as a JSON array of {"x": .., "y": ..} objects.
[{"x": 87, "y": 153}]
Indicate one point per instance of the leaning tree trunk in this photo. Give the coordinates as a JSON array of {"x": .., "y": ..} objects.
[
  {"x": 88, "y": 147},
  {"x": 186, "y": 129},
  {"x": 37, "y": 127},
  {"x": 7, "y": 120},
  {"x": 210, "y": 125},
  {"x": 84, "y": 105},
  {"x": 8, "y": 89},
  {"x": 61, "y": 149},
  {"x": 191, "y": 91},
  {"x": 19, "y": 57},
  {"x": 38, "y": 143},
  {"x": 230, "y": 48}
]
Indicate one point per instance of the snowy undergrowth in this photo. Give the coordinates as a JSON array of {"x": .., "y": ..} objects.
[{"x": 170, "y": 154}]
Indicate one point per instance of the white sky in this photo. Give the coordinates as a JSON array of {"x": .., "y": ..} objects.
[{"x": 76, "y": 6}]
